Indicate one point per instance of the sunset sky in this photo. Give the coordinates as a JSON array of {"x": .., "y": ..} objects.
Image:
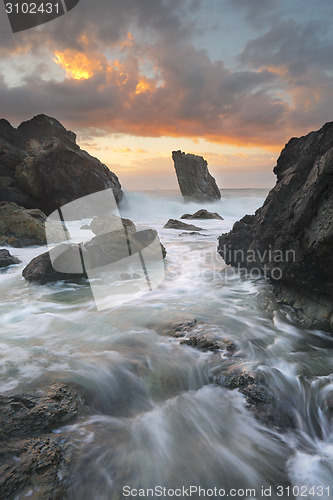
[{"x": 231, "y": 80}]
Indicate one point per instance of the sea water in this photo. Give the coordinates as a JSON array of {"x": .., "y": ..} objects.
[{"x": 155, "y": 417}]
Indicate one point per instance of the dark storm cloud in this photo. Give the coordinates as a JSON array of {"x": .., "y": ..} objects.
[
  {"x": 275, "y": 89},
  {"x": 291, "y": 45}
]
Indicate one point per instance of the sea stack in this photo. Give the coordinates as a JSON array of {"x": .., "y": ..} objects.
[
  {"x": 290, "y": 238},
  {"x": 194, "y": 179}
]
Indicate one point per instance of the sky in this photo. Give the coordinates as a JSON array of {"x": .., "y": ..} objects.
[{"x": 230, "y": 80}]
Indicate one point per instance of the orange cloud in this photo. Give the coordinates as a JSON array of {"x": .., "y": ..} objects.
[
  {"x": 77, "y": 64},
  {"x": 144, "y": 86}
]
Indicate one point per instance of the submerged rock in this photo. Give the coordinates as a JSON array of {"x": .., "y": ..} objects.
[
  {"x": 226, "y": 368},
  {"x": 194, "y": 179},
  {"x": 6, "y": 259},
  {"x": 192, "y": 233},
  {"x": 202, "y": 214},
  {"x": 35, "y": 462},
  {"x": 21, "y": 227},
  {"x": 41, "y": 166},
  {"x": 290, "y": 238},
  {"x": 176, "y": 224}
]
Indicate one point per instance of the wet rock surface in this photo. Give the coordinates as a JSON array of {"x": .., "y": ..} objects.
[
  {"x": 194, "y": 179},
  {"x": 41, "y": 166},
  {"x": 176, "y": 224},
  {"x": 20, "y": 227},
  {"x": 6, "y": 259},
  {"x": 202, "y": 214},
  {"x": 35, "y": 462},
  {"x": 40, "y": 271},
  {"x": 290, "y": 238}
]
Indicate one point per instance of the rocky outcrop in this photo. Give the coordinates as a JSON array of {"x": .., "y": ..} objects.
[
  {"x": 290, "y": 238},
  {"x": 105, "y": 248},
  {"x": 202, "y": 214},
  {"x": 194, "y": 179},
  {"x": 35, "y": 462},
  {"x": 40, "y": 270},
  {"x": 41, "y": 166},
  {"x": 176, "y": 224},
  {"x": 6, "y": 259},
  {"x": 20, "y": 227}
]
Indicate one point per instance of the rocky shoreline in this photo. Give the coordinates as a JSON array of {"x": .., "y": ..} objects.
[{"x": 289, "y": 240}]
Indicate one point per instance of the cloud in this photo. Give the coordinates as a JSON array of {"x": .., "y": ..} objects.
[
  {"x": 301, "y": 57},
  {"x": 134, "y": 67}
]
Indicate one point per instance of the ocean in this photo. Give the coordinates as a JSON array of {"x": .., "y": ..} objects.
[{"x": 155, "y": 418}]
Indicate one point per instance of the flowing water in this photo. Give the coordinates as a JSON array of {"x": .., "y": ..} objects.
[{"x": 155, "y": 418}]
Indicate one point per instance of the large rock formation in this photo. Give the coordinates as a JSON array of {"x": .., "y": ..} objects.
[
  {"x": 41, "y": 166},
  {"x": 290, "y": 238},
  {"x": 194, "y": 179}
]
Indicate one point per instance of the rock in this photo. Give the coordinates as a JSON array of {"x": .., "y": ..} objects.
[
  {"x": 85, "y": 227},
  {"x": 101, "y": 250},
  {"x": 108, "y": 223},
  {"x": 192, "y": 233},
  {"x": 202, "y": 214},
  {"x": 6, "y": 259},
  {"x": 21, "y": 227},
  {"x": 41, "y": 166},
  {"x": 110, "y": 247},
  {"x": 209, "y": 342},
  {"x": 40, "y": 270},
  {"x": 194, "y": 179},
  {"x": 27, "y": 415},
  {"x": 290, "y": 238},
  {"x": 34, "y": 462},
  {"x": 180, "y": 329},
  {"x": 176, "y": 224}
]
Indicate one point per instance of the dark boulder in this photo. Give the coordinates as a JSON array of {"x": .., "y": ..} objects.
[
  {"x": 41, "y": 166},
  {"x": 21, "y": 227},
  {"x": 290, "y": 238},
  {"x": 202, "y": 214},
  {"x": 6, "y": 259},
  {"x": 194, "y": 179},
  {"x": 105, "y": 248},
  {"x": 40, "y": 270},
  {"x": 176, "y": 224}
]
